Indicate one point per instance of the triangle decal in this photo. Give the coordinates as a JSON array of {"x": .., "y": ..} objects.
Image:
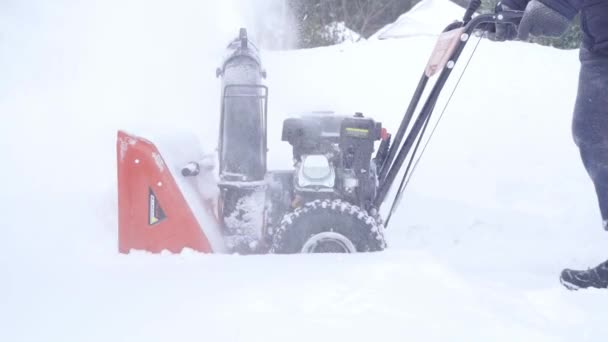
[{"x": 155, "y": 211}]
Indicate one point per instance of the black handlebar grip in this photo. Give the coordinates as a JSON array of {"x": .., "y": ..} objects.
[{"x": 473, "y": 7}]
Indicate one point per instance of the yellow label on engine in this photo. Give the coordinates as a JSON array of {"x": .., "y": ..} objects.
[{"x": 357, "y": 132}]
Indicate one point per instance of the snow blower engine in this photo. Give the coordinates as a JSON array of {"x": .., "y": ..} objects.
[
  {"x": 170, "y": 197},
  {"x": 333, "y": 156},
  {"x": 261, "y": 210}
]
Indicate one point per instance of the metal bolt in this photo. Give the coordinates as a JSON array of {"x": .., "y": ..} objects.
[
  {"x": 451, "y": 64},
  {"x": 464, "y": 37},
  {"x": 136, "y": 161}
]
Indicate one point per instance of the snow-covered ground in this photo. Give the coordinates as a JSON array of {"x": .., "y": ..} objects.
[
  {"x": 499, "y": 205},
  {"x": 426, "y": 18}
]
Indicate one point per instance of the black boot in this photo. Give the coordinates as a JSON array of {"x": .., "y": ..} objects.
[{"x": 596, "y": 277}]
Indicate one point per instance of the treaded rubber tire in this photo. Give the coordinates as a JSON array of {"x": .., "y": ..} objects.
[{"x": 315, "y": 217}]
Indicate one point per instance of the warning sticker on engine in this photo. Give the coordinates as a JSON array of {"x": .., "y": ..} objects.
[{"x": 155, "y": 211}]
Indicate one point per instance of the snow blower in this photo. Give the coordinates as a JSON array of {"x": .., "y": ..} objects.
[{"x": 329, "y": 203}]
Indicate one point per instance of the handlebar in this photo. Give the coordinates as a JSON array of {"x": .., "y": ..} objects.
[
  {"x": 473, "y": 7},
  {"x": 487, "y": 22},
  {"x": 399, "y": 152}
]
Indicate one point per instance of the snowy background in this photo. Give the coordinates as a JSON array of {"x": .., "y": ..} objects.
[{"x": 499, "y": 205}]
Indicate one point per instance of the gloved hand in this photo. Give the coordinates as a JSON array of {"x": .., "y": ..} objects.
[{"x": 540, "y": 20}]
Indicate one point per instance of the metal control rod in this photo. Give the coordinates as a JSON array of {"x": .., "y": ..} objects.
[{"x": 399, "y": 152}]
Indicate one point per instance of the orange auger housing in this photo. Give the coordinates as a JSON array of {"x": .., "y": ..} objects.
[{"x": 155, "y": 212}]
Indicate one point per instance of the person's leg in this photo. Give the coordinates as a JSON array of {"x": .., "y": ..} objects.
[
  {"x": 590, "y": 123},
  {"x": 590, "y": 130},
  {"x": 595, "y": 160}
]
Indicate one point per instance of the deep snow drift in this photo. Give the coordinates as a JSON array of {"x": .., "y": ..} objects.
[
  {"x": 426, "y": 18},
  {"x": 499, "y": 205}
]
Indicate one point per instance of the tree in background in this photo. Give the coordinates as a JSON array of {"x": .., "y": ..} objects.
[{"x": 322, "y": 22}]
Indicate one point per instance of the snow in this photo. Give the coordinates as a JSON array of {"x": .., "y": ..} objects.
[
  {"x": 499, "y": 205},
  {"x": 341, "y": 33},
  {"x": 428, "y": 17},
  {"x": 246, "y": 221}
]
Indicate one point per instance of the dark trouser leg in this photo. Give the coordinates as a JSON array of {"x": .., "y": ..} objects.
[
  {"x": 590, "y": 129},
  {"x": 590, "y": 123}
]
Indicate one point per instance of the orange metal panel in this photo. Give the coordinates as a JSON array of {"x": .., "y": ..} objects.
[{"x": 153, "y": 215}]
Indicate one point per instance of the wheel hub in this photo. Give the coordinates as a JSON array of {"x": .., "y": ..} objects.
[{"x": 328, "y": 242}]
